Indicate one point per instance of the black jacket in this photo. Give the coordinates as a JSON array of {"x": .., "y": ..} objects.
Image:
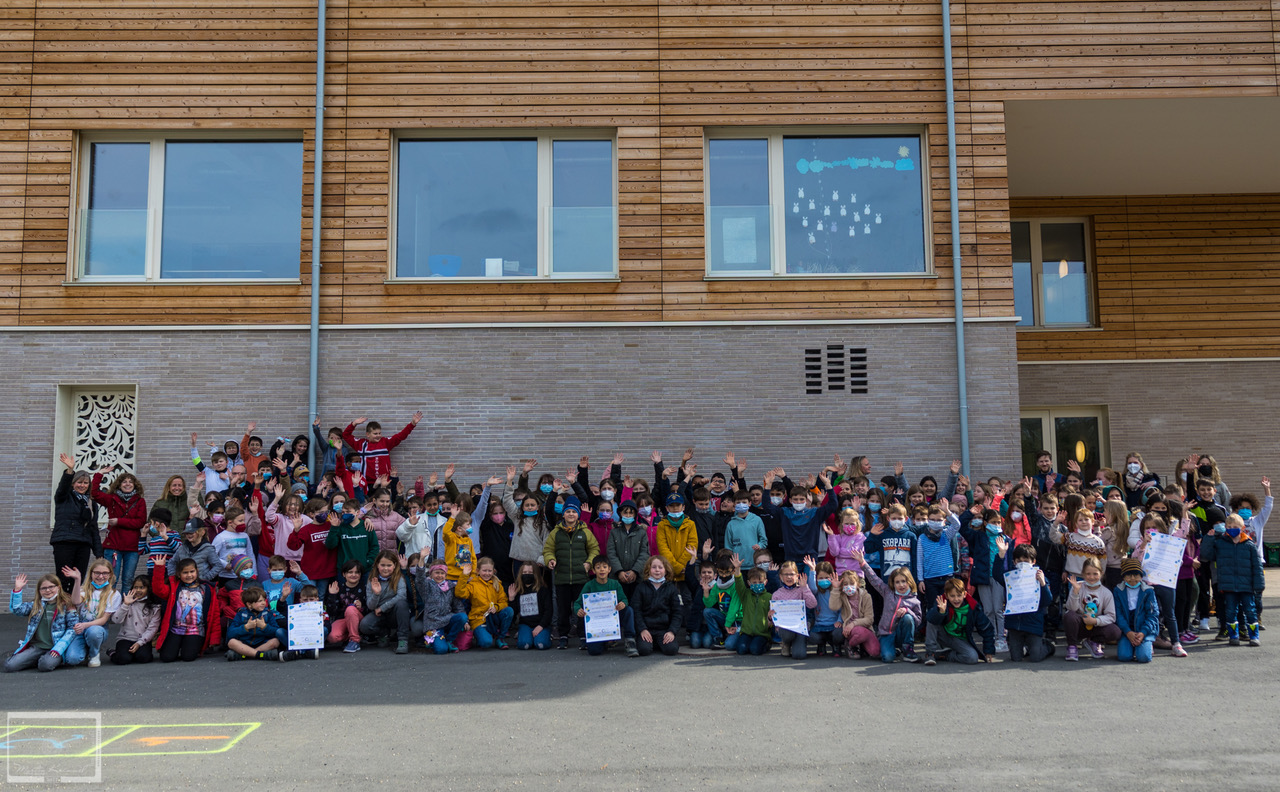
[
  {"x": 74, "y": 520},
  {"x": 657, "y": 610}
]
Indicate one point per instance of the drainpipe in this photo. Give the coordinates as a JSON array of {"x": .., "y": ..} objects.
[
  {"x": 317, "y": 181},
  {"x": 957, "y": 280}
]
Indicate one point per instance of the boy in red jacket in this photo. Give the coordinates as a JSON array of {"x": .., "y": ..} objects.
[{"x": 374, "y": 450}]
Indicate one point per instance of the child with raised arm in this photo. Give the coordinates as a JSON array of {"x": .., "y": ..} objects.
[
  {"x": 126, "y": 515},
  {"x": 386, "y": 607},
  {"x": 139, "y": 619},
  {"x": 794, "y": 587},
  {"x": 1090, "y": 614},
  {"x": 951, "y": 623},
  {"x": 822, "y": 583},
  {"x": 252, "y": 633},
  {"x": 50, "y": 630},
  {"x": 191, "y": 623},
  {"x": 854, "y": 632},
  {"x": 490, "y": 615},
  {"x": 98, "y": 603},
  {"x": 374, "y": 449},
  {"x": 900, "y": 615}
]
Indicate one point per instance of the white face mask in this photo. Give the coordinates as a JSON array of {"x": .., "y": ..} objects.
[
  {"x": 897, "y": 525},
  {"x": 1015, "y": 516},
  {"x": 850, "y": 590},
  {"x": 798, "y": 505},
  {"x": 1134, "y": 468},
  {"x": 1024, "y": 565}
]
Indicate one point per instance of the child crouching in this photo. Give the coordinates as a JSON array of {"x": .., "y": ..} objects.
[{"x": 951, "y": 624}]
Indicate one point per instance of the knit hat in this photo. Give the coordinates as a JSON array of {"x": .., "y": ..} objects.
[
  {"x": 1107, "y": 490},
  {"x": 627, "y": 504},
  {"x": 674, "y": 500},
  {"x": 572, "y": 504},
  {"x": 297, "y": 487},
  {"x": 240, "y": 564},
  {"x": 1130, "y": 565},
  {"x": 960, "y": 500}
]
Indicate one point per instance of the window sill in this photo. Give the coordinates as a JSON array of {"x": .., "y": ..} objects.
[
  {"x": 189, "y": 282},
  {"x": 1058, "y": 329},
  {"x": 827, "y": 276},
  {"x": 499, "y": 281}
]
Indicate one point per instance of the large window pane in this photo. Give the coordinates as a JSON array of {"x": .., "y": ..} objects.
[
  {"x": 467, "y": 208},
  {"x": 1078, "y": 438},
  {"x": 1023, "y": 285},
  {"x": 1064, "y": 299},
  {"x": 1032, "y": 441},
  {"x": 232, "y": 210},
  {"x": 853, "y": 205},
  {"x": 582, "y": 216},
  {"x": 115, "y": 219},
  {"x": 738, "y": 237}
]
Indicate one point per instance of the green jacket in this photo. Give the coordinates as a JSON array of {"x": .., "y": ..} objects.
[
  {"x": 755, "y": 609},
  {"x": 570, "y": 550},
  {"x": 732, "y": 608},
  {"x": 592, "y": 587},
  {"x": 353, "y": 540}
]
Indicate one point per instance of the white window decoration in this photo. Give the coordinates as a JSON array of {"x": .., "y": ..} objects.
[{"x": 105, "y": 429}]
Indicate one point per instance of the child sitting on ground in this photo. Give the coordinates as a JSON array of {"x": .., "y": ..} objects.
[{"x": 253, "y": 632}]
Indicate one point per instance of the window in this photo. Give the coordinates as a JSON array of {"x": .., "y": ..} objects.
[
  {"x": 503, "y": 208},
  {"x": 175, "y": 209},
  {"x": 781, "y": 204},
  {"x": 97, "y": 425},
  {"x": 1051, "y": 272},
  {"x": 1067, "y": 433}
]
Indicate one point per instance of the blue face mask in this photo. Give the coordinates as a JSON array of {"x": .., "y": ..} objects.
[
  {"x": 545, "y": 489},
  {"x": 605, "y": 516},
  {"x": 757, "y": 588},
  {"x": 741, "y": 508},
  {"x": 873, "y": 507},
  {"x": 1233, "y": 532},
  {"x": 559, "y": 508},
  {"x": 266, "y": 475},
  {"x": 675, "y": 516},
  {"x": 100, "y": 586},
  {"x": 1245, "y": 514},
  {"x": 530, "y": 512},
  {"x": 468, "y": 529},
  {"x": 247, "y": 574},
  {"x": 346, "y": 518},
  {"x": 628, "y": 520},
  {"x": 1220, "y": 528},
  {"x": 277, "y": 575},
  {"x": 994, "y": 530},
  {"x": 824, "y": 584},
  {"x": 1133, "y": 585}
]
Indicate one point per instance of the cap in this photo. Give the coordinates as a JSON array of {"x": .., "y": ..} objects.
[
  {"x": 192, "y": 525},
  {"x": 675, "y": 500}
]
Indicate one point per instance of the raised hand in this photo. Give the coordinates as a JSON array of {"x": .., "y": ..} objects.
[
  {"x": 571, "y": 475},
  {"x": 333, "y": 587},
  {"x": 736, "y": 560},
  {"x": 286, "y": 589},
  {"x": 67, "y": 460},
  {"x": 511, "y": 474},
  {"x": 1002, "y": 545},
  {"x": 130, "y": 597},
  {"x": 433, "y": 480},
  {"x": 375, "y": 586},
  {"x": 417, "y": 416},
  {"x": 465, "y": 567},
  {"x": 706, "y": 548},
  {"x": 316, "y": 422},
  {"x": 194, "y": 440},
  {"x": 20, "y": 582},
  {"x": 898, "y": 468},
  {"x": 626, "y": 481},
  {"x": 942, "y": 603},
  {"x": 359, "y": 420},
  {"x": 618, "y": 459},
  {"x": 249, "y": 430},
  {"x": 530, "y": 465},
  {"x": 730, "y": 460},
  {"x": 687, "y": 455},
  {"x": 448, "y": 472},
  {"x": 584, "y": 461},
  {"x": 809, "y": 562},
  {"x": 72, "y": 573},
  {"x": 656, "y": 457},
  {"x": 494, "y": 481},
  {"x": 1073, "y": 466},
  {"x": 955, "y": 466}
]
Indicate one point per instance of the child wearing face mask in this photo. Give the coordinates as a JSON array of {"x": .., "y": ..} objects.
[
  {"x": 888, "y": 546},
  {"x": 627, "y": 548},
  {"x": 252, "y": 634},
  {"x": 821, "y": 580},
  {"x": 935, "y": 562},
  {"x": 231, "y": 543},
  {"x": 755, "y": 636},
  {"x": 853, "y": 632},
  {"x": 952, "y": 621},
  {"x": 722, "y": 610},
  {"x": 348, "y": 538},
  {"x": 802, "y": 522},
  {"x": 530, "y": 530},
  {"x": 984, "y": 532},
  {"x": 458, "y": 546},
  {"x": 1239, "y": 576},
  {"x": 281, "y": 587},
  {"x": 744, "y": 533},
  {"x": 1166, "y": 596},
  {"x": 845, "y": 541},
  {"x": 794, "y": 587},
  {"x": 490, "y": 616},
  {"x": 98, "y": 602},
  {"x": 50, "y": 630},
  {"x": 194, "y": 546},
  {"x": 344, "y": 601},
  {"x": 531, "y": 600},
  {"x": 1082, "y": 543},
  {"x": 156, "y": 538},
  {"x": 1025, "y": 631},
  {"x": 1090, "y": 614},
  {"x": 647, "y": 517},
  {"x": 901, "y": 614},
  {"x": 567, "y": 553},
  {"x": 1137, "y": 614}
]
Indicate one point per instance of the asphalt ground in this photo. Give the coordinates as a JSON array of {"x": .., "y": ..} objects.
[{"x": 702, "y": 720}]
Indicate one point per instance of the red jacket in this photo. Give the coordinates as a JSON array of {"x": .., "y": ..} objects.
[
  {"x": 318, "y": 562},
  {"x": 130, "y": 516},
  {"x": 376, "y": 455},
  {"x": 166, "y": 588}
]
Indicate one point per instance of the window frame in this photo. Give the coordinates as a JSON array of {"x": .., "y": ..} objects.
[
  {"x": 1037, "y": 278},
  {"x": 544, "y": 138},
  {"x": 777, "y": 203},
  {"x": 77, "y": 239},
  {"x": 1049, "y": 431}
]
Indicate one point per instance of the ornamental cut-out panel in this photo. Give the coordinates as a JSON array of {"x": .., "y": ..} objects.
[{"x": 105, "y": 430}]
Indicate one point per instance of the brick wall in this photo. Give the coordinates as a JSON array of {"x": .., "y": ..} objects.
[
  {"x": 494, "y": 396},
  {"x": 1165, "y": 411}
]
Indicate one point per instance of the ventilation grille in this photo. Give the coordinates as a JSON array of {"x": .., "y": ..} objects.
[{"x": 835, "y": 368}]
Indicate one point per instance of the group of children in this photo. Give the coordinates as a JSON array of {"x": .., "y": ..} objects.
[{"x": 880, "y": 565}]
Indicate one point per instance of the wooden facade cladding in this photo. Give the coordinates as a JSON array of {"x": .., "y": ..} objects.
[
  {"x": 659, "y": 73},
  {"x": 1179, "y": 276}
]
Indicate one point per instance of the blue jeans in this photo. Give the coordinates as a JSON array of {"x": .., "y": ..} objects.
[
  {"x": 123, "y": 564},
  {"x": 904, "y": 634},
  {"x": 748, "y": 644},
  {"x": 484, "y": 635},
  {"x": 457, "y": 624},
  {"x": 793, "y": 644},
  {"x": 713, "y": 620},
  {"x": 1239, "y": 607},
  {"x": 628, "y": 624},
  {"x": 76, "y": 651},
  {"x": 1141, "y": 653},
  {"x": 525, "y": 639},
  {"x": 93, "y": 638}
]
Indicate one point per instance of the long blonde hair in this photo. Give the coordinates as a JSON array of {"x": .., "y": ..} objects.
[
  {"x": 1116, "y": 515},
  {"x": 104, "y": 596},
  {"x": 61, "y": 604}
]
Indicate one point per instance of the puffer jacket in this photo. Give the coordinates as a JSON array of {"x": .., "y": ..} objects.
[
  {"x": 529, "y": 533},
  {"x": 1239, "y": 568},
  {"x": 74, "y": 519},
  {"x": 437, "y": 606},
  {"x": 657, "y": 610},
  {"x": 628, "y": 550}
]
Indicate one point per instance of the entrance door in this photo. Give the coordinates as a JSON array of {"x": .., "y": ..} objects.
[{"x": 1067, "y": 433}]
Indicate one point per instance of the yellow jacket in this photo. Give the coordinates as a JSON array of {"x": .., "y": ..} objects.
[
  {"x": 453, "y": 546},
  {"x": 674, "y": 543},
  {"x": 481, "y": 595}
]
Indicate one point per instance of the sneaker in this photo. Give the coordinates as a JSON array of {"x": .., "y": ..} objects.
[
  {"x": 352, "y": 646},
  {"x": 402, "y": 647},
  {"x": 632, "y": 651},
  {"x": 1178, "y": 651},
  {"x": 564, "y": 643},
  {"x": 1073, "y": 654},
  {"x": 453, "y": 648},
  {"x": 1254, "y": 641},
  {"x": 1204, "y": 625},
  {"x": 582, "y": 644},
  {"x": 502, "y": 644},
  {"x": 837, "y": 652},
  {"x": 314, "y": 654},
  {"x": 270, "y": 654},
  {"x": 1095, "y": 650},
  {"x": 929, "y": 659},
  {"x": 910, "y": 656},
  {"x": 384, "y": 641},
  {"x": 289, "y": 655},
  {"x": 1222, "y": 635},
  {"x": 232, "y": 655},
  {"x": 1002, "y": 645},
  {"x": 1189, "y": 637},
  {"x": 95, "y": 661}
]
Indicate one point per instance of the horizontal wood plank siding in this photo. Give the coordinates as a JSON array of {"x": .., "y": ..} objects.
[
  {"x": 658, "y": 72},
  {"x": 1177, "y": 276}
]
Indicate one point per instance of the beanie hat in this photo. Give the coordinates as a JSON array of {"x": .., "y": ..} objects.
[
  {"x": 627, "y": 504},
  {"x": 240, "y": 564},
  {"x": 572, "y": 504},
  {"x": 1130, "y": 565}
]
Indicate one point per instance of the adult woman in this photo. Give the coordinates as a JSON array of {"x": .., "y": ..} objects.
[
  {"x": 175, "y": 500},
  {"x": 1137, "y": 479},
  {"x": 75, "y": 536}
]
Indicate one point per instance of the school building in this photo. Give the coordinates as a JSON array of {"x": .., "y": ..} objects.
[{"x": 590, "y": 225}]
